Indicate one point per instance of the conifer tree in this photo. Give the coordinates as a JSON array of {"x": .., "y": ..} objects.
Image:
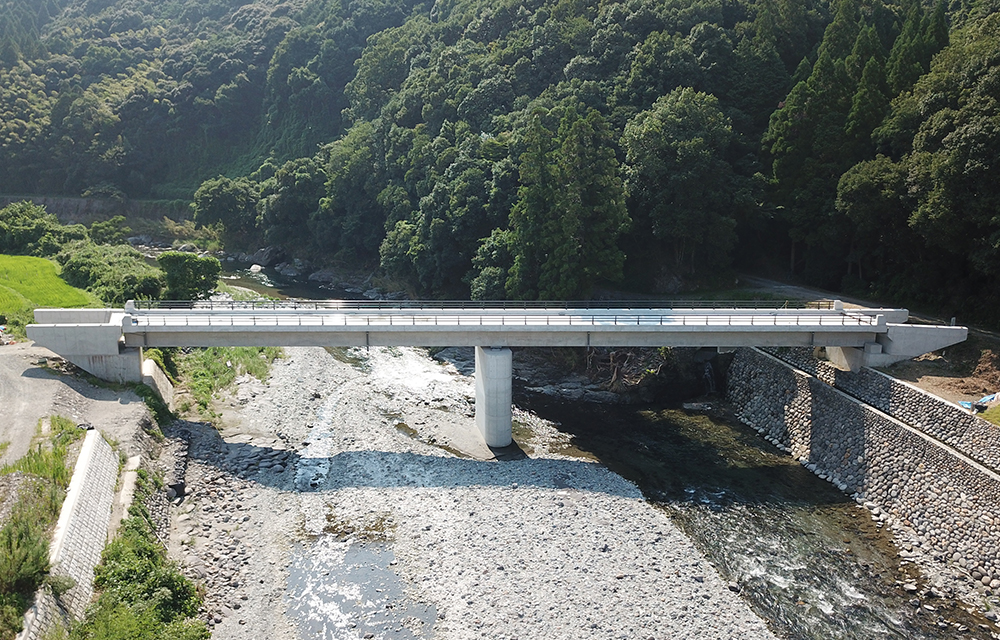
[
  {"x": 582, "y": 232},
  {"x": 903, "y": 67},
  {"x": 535, "y": 202},
  {"x": 869, "y": 105}
]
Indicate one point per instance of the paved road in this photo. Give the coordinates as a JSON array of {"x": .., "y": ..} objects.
[{"x": 798, "y": 292}]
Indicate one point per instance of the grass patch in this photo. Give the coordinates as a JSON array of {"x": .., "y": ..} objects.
[
  {"x": 992, "y": 414},
  {"x": 24, "y": 537},
  {"x": 241, "y": 294},
  {"x": 3, "y": 447},
  {"x": 37, "y": 280},
  {"x": 143, "y": 595},
  {"x": 205, "y": 372},
  {"x": 27, "y": 283},
  {"x": 164, "y": 359}
]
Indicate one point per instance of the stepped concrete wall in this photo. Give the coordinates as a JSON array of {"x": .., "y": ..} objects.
[
  {"x": 942, "y": 500},
  {"x": 79, "y": 537}
]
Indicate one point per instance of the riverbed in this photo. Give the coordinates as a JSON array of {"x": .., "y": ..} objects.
[
  {"x": 346, "y": 498},
  {"x": 807, "y": 558},
  {"x": 334, "y": 504}
]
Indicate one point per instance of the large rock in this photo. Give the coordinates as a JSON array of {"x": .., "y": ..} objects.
[
  {"x": 287, "y": 270},
  {"x": 266, "y": 257},
  {"x": 324, "y": 275}
]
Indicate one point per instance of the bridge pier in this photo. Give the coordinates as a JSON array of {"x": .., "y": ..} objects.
[{"x": 494, "y": 371}]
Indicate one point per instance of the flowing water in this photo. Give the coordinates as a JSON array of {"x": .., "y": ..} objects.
[
  {"x": 807, "y": 558},
  {"x": 342, "y": 589}
]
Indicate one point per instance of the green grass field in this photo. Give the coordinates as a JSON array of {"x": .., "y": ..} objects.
[{"x": 27, "y": 283}]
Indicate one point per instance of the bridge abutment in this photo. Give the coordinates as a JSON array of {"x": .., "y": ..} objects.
[{"x": 494, "y": 371}]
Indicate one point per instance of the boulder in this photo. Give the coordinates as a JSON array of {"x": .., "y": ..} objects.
[
  {"x": 323, "y": 275},
  {"x": 266, "y": 257}
]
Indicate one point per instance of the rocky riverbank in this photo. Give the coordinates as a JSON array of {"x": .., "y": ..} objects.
[{"x": 349, "y": 497}]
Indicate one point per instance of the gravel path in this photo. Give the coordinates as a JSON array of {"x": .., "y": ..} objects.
[{"x": 348, "y": 500}]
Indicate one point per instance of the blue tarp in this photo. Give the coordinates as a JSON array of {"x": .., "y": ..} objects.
[{"x": 983, "y": 400}]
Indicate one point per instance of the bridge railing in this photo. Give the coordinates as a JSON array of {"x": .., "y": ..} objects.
[
  {"x": 467, "y": 305},
  {"x": 854, "y": 320}
]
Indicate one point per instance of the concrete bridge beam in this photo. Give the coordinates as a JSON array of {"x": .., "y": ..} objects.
[{"x": 494, "y": 373}]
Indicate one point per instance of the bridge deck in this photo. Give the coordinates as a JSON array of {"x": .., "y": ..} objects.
[
  {"x": 498, "y": 327},
  {"x": 154, "y": 320},
  {"x": 877, "y": 335}
]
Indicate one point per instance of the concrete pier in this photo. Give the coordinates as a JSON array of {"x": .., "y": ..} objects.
[{"x": 494, "y": 370}]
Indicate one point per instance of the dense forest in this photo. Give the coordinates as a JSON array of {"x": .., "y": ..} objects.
[{"x": 535, "y": 149}]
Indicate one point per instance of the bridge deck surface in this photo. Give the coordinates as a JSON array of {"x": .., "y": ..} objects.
[{"x": 610, "y": 321}]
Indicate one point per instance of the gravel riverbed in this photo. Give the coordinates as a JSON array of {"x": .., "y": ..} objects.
[{"x": 351, "y": 497}]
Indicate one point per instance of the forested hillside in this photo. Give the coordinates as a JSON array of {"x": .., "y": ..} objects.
[{"x": 534, "y": 149}]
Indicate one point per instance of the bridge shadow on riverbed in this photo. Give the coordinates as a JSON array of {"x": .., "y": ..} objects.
[
  {"x": 674, "y": 454},
  {"x": 670, "y": 454},
  {"x": 305, "y": 471}
]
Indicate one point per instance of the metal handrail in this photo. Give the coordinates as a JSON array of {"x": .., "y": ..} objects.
[
  {"x": 471, "y": 305},
  {"x": 592, "y": 320}
]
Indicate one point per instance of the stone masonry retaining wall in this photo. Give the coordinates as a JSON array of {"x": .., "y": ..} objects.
[
  {"x": 940, "y": 419},
  {"x": 942, "y": 501},
  {"x": 80, "y": 535}
]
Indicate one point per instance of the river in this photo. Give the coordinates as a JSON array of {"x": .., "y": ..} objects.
[
  {"x": 807, "y": 558},
  {"x": 270, "y": 283}
]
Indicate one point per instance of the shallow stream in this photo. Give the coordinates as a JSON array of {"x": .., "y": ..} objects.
[{"x": 807, "y": 558}]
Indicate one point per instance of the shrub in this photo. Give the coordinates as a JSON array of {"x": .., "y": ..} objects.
[
  {"x": 188, "y": 277},
  {"x": 112, "y": 231},
  {"x": 143, "y": 595},
  {"x": 24, "y": 538},
  {"x": 28, "y": 229},
  {"x": 114, "y": 273},
  {"x": 24, "y": 556}
]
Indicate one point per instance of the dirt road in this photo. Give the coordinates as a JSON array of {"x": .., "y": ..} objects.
[{"x": 30, "y": 392}]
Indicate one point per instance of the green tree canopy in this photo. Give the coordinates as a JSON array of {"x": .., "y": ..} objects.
[
  {"x": 232, "y": 204},
  {"x": 187, "y": 276},
  {"x": 678, "y": 177},
  {"x": 110, "y": 231}
]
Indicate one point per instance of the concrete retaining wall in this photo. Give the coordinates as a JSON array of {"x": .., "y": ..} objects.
[
  {"x": 79, "y": 537},
  {"x": 943, "y": 501},
  {"x": 154, "y": 378},
  {"x": 88, "y": 210},
  {"x": 940, "y": 419}
]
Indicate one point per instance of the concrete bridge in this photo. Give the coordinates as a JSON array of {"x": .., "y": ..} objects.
[{"x": 108, "y": 342}]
